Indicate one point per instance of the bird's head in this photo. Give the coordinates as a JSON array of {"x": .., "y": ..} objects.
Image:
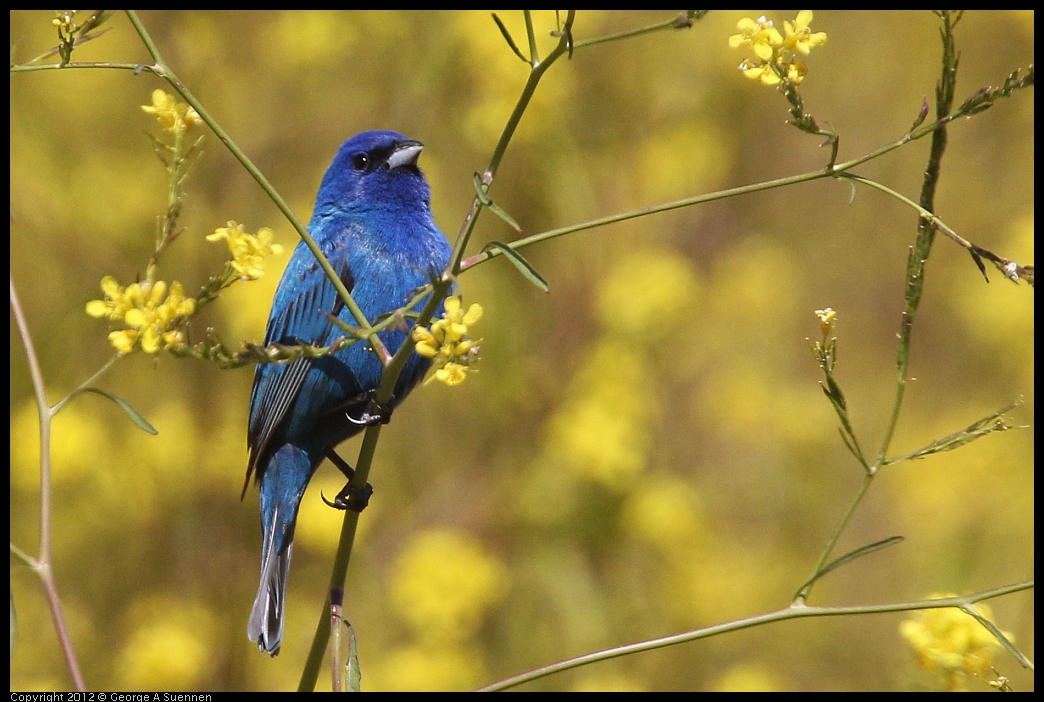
[{"x": 373, "y": 171}]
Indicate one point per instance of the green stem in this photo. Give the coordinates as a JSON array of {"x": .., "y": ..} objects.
[
  {"x": 868, "y": 478},
  {"x": 62, "y": 402},
  {"x": 838, "y": 171},
  {"x": 337, "y": 577},
  {"x": 673, "y": 23},
  {"x": 792, "y": 612},
  {"x": 918, "y": 258},
  {"x": 643, "y": 212},
  {"x": 136, "y": 67},
  {"x": 42, "y": 565},
  {"x": 534, "y": 56},
  {"x": 926, "y": 214}
]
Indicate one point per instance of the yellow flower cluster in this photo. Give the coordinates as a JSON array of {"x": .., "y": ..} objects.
[
  {"x": 444, "y": 342},
  {"x": 248, "y": 251},
  {"x": 153, "y": 315},
  {"x": 952, "y": 642},
  {"x": 174, "y": 117},
  {"x": 776, "y": 53}
]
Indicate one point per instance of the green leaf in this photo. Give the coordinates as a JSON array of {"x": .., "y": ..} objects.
[
  {"x": 980, "y": 264},
  {"x": 520, "y": 263},
  {"x": 131, "y": 412},
  {"x": 480, "y": 191},
  {"x": 495, "y": 209},
  {"x": 835, "y": 393},
  {"x": 353, "y": 674},
  {"x": 986, "y": 425},
  {"x": 997, "y": 634},
  {"x": 851, "y": 556},
  {"x": 852, "y": 446},
  {"x": 507, "y": 37}
]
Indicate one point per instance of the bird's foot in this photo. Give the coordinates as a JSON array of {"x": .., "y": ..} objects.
[
  {"x": 354, "y": 499},
  {"x": 374, "y": 413},
  {"x": 351, "y": 498}
]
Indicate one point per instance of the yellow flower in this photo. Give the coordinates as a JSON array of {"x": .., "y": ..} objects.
[
  {"x": 826, "y": 320},
  {"x": 153, "y": 315},
  {"x": 451, "y": 373},
  {"x": 800, "y": 37},
  {"x": 951, "y": 642},
  {"x": 462, "y": 348},
  {"x": 174, "y": 117},
  {"x": 760, "y": 72},
  {"x": 150, "y": 339},
  {"x": 124, "y": 341},
  {"x": 457, "y": 322},
  {"x": 173, "y": 338},
  {"x": 248, "y": 251},
  {"x": 796, "y": 72},
  {"x": 178, "y": 304},
  {"x": 760, "y": 34},
  {"x": 427, "y": 344},
  {"x": 115, "y": 304},
  {"x": 444, "y": 342}
]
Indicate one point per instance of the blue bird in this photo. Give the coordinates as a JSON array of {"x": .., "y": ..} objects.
[{"x": 373, "y": 222}]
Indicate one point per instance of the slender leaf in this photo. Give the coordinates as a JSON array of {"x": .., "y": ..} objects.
[
  {"x": 853, "y": 447},
  {"x": 507, "y": 37},
  {"x": 980, "y": 264},
  {"x": 495, "y": 209},
  {"x": 987, "y": 425},
  {"x": 997, "y": 634},
  {"x": 520, "y": 263},
  {"x": 351, "y": 666},
  {"x": 131, "y": 412},
  {"x": 851, "y": 556},
  {"x": 835, "y": 393},
  {"x": 480, "y": 191}
]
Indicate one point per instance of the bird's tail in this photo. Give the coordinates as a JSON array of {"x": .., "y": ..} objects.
[{"x": 266, "y": 618}]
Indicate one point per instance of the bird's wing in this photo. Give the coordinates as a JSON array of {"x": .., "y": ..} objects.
[{"x": 297, "y": 320}]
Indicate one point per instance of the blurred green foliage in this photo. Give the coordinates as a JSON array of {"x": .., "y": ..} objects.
[{"x": 644, "y": 450}]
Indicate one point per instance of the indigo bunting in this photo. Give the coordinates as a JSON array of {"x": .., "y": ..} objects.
[{"x": 373, "y": 221}]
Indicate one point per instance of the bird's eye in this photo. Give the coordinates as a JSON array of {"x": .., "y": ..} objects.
[{"x": 360, "y": 162}]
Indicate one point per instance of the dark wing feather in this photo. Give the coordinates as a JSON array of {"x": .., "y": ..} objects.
[{"x": 298, "y": 319}]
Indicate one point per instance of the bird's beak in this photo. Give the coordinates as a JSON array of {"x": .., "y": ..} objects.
[{"x": 405, "y": 154}]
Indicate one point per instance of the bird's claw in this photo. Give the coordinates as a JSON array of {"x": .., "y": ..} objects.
[
  {"x": 375, "y": 413},
  {"x": 354, "y": 499}
]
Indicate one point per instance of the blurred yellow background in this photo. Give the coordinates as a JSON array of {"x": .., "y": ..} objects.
[{"x": 644, "y": 450}]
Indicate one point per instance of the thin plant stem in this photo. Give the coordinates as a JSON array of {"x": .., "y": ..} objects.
[
  {"x": 838, "y": 171},
  {"x": 682, "y": 20},
  {"x": 915, "y": 267},
  {"x": 795, "y": 611},
  {"x": 868, "y": 478},
  {"x": 42, "y": 565}
]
